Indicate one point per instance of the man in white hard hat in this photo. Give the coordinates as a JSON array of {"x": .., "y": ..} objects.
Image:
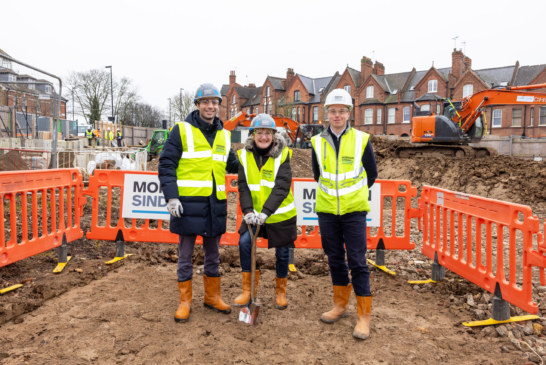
[{"x": 344, "y": 167}]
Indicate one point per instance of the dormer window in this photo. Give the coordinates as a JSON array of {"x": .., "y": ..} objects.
[
  {"x": 12, "y": 78},
  {"x": 432, "y": 86},
  {"x": 297, "y": 95},
  {"x": 48, "y": 89}
]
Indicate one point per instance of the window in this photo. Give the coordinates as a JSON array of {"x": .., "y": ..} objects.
[
  {"x": 532, "y": 116},
  {"x": 379, "y": 116},
  {"x": 438, "y": 109},
  {"x": 516, "y": 117},
  {"x": 369, "y": 92},
  {"x": 390, "y": 118},
  {"x": 265, "y": 106},
  {"x": 425, "y": 107},
  {"x": 32, "y": 86},
  {"x": 468, "y": 90},
  {"x": 315, "y": 113},
  {"x": 347, "y": 88},
  {"x": 542, "y": 119},
  {"x": 12, "y": 78},
  {"x": 269, "y": 107},
  {"x": 234, "y": 100},
  {"x": 267, "y": 91},
  {"x": 432, "y": 86},
  {"x": 257, "y": 110},
  {"x": 297, "y": 95},
  {"x": 497, "y": 118},
  {"x": 368, "y": 116},
  {"x": 293, "y": 113},
  {"x": 406, "y": 117},
  {"x": 298, "y": 115}
]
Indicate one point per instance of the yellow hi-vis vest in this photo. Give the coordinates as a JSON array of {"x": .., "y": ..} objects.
[
  {"x": 89, "y": 134},
  {"x": 261, "y": 183},
  {"x": 199, "y": 162},
  {"x": 343, "y": 185}
]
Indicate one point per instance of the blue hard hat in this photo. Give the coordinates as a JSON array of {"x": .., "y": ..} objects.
[
  {"x": 207, "y": 91},
  {"x": 263, "y": 121}
]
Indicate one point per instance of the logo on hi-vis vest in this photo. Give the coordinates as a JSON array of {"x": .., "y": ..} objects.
[
  {"x": 220, "y": 149},
  {"x": 347, "y": 160},
  {"x": 267, "y": 174}
]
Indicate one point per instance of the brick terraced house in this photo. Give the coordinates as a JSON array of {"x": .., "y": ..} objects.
[{"x": 385, "y": 103}]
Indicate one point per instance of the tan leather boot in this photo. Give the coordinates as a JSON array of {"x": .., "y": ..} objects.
[
  {"x": 243, "y": 299},
  {"x": 213, "y": 298},
  {"x": 364, "y": 309},
  {"x": 182, "y": 314},
  {"x": 341, "y": 298},
  {"x": 280, "y": 293}
]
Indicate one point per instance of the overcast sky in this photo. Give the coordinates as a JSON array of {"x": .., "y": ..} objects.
[{"x": 163, "y": 46}]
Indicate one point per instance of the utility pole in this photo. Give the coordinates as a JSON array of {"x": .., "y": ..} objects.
[{"x": 111, "y": 92}]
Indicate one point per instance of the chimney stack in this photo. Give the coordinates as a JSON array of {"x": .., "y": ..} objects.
[
  {"x": 467, "y": 63},
  {"x": 366, "y": 67},
  {"x": 289, "y": 75},
  {"x": 232, "y": 77},
  {"x": 457, "y": 63},
  {"x": 378, "y": 68}
]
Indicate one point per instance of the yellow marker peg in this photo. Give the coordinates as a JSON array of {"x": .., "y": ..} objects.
[
  {"x": 60, "y": 266},
  {"x": 116, "y": 259},
  {"x": 428, "y": 281},
  {"x": 381, "y": 267},
  {"x": 10, "y": 288},
  {"x": 292, "y": 268},
  {"x": 491, "y": 321}
]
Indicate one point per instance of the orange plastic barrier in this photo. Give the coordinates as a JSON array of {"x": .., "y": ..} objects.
[
  {"x": 486, "y": 241},
  {"x": 37, "y": 209},
  {"x": 106, "y": 219}
]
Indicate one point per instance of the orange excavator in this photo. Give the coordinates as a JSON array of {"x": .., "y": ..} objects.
[
  {"x": 300, "y": 134},
  {"x": 461, "y": 123}
]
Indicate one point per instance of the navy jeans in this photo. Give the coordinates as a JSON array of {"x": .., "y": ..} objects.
[
  {"x": 185, "y": 253},
  {"x": 282, "y": 255},
  {"x": 346, "y": 232}
]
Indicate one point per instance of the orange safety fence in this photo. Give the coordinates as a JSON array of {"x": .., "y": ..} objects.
[
  {"x": 37, "y": 209},
  {"x": 486, "y": 241},
  {"x": 107, "y": 221}
]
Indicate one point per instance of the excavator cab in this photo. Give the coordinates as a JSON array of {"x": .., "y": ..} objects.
[{"x": 304, "y": 134}]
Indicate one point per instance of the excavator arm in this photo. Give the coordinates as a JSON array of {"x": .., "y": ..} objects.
[{"x": 472, "y": 106}]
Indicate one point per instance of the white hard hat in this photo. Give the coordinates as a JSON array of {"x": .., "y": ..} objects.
[{"x": 339, "y": 97}]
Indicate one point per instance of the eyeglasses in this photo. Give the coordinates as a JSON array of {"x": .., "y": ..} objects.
[
  {"x": 338, "y": 111},
  {"x": 209, "y": 101},
  {"x": 264, "y": 133}
]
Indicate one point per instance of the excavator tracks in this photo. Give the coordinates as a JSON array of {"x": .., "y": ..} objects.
[{"x": 443, "y": 150}]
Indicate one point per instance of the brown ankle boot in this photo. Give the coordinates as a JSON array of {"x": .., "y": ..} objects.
[
  {"x": 280, "y": 293},
  {"x": 213, "y": 299},
  {"x": 342, "y": 293},
  {"x": 364, "y": 309},
  {"x": 243, "y": 299},
  {"x": 183, "y": 312}
]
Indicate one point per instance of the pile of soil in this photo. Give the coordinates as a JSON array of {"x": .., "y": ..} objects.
[{"x": 123, "y": 313}]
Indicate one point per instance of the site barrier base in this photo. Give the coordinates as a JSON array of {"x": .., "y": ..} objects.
[
  {"x": 380, "y": 258},
  {"x": 120, "y": 250},
  {"x": 10, "y": 288},
  {"x": 118, "y": 258},
  {"x": 491, "y": 321},
  {"x": 60, "y": 266}
]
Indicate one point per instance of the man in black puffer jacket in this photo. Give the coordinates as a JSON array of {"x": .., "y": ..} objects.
[{"x": 191, "y": 171}]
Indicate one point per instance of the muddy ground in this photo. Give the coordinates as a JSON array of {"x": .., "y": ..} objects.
[{"x": 123, "y": 313}]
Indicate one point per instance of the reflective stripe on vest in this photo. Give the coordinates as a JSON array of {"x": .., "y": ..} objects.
[
  {"x": 261, "y": 183},
  {"x": 200, "y": 163},
  {"x": 343, "y": 185}
]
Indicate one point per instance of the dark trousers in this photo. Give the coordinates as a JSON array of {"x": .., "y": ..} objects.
[
  {"x": 282, "y": 255},
  {"x": 346, "y": 235},
  {"x": 185, "y": 253},
  {"x": 89, "y": 141}
]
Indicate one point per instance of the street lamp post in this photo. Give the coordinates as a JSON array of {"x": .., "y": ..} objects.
[{"x": 111, "y": 91}]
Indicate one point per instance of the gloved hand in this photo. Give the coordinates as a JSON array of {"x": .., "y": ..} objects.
[
  {"x": 174, "y": 206},
  {"x": 250, "y": 218},
  {"x": 261, "y": 218}
]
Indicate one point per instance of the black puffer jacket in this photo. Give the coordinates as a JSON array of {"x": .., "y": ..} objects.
[
  {"x": 203, "y": 215},
  {"x": 281, "y": 233}
]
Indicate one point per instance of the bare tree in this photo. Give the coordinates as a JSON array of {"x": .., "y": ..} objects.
[{"x": 182, "y": 106}]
